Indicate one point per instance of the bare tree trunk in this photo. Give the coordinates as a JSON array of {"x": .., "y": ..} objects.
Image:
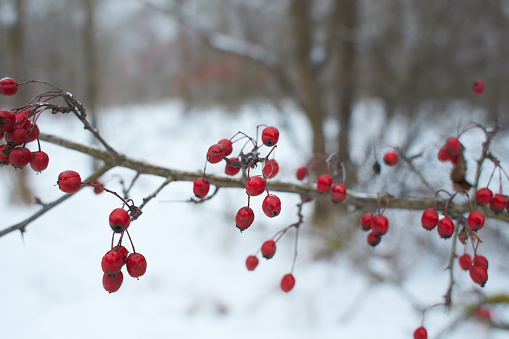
[
  {"x": 20, "y": 190},
  {"x": 90, "y": 96},
  {"x": 346, "y": 16}
]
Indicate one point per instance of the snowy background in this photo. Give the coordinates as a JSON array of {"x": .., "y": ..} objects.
[{"x": 196, "y": 285}]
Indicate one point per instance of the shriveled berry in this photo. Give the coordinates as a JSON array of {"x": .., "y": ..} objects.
[
  {"x": 119, "y": 220},
  {"x": 452, "y": 146},
  {"x": 227, "y": 145},
  {"x": 255, "y": 185},
  {"x": 391, "y": 158},
  {"x": 338, "y": 192},
  {"x": 99, "y": 186},
  {"x": 69, "y": 181},
  {"x": 465, "y": 261},
  {"x": 231, "y": 170},
  {"x": 367, "y": 221},
  {"x": 270, "y": 136},
  {"x": 478, "y": 87},
  {"x": 287, "y": 282},
  {"x": 112, "y": 283},
  {"x": 380, "y": 224},
  {"x": 483, "y": 196},
  {"x": 244, "y": 218},
  {"x": 215, "y": 153},
  {"x": 324, "y": 183},
  {"x": 301, "y": 173},
  {"x": 420, "y": 333},
  {"x": 112, "y": 262},
  {"x": 201, "y": 187},
  {"x": 475, "y": 220},
  {"x": 429, "y": 219},
  {"x": 39, "y": 161},
  {"x": 445, "y": 227},
  {"x": 8, "y": 86},
  {"x": 480, "y": 260},
  {"x": 7, "y": 120},
  {"x": 271, "y": 205},
  {"x": 498, "y": 203},
  {"x": 373, "y": 239},
  {"x": 136, "y": 265},
  {"x": 5, "y": 151},
  {"x": 268, "y": 249},
  {"x": 20, "y": 157},
  {"x": 479, "y": 274},
  {"x": 251, "y": 262},
  {"x": 271, "y": 168}
]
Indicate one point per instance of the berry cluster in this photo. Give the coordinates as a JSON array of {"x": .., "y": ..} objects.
[
  {"x": 450, "y": 150},
  {"x": 119, "y": 221},
  {"x": 18, "y": 128},
  {"x": 477, "y": 267},
  {"x": 376, "y": 224}
]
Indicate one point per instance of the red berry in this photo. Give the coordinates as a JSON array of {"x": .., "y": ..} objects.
[
  {"x": 270, "y": 136},
  {"x": 201, "y": 187},
  {"x": 7, "y": 120},
  {"x": 478, "y": 87},
  {"x": 20, "y": 157},
  {"x": 483, "y": 196},
  {"x": 367, "y": 221},
  {"x": 380, "y": 225},
  {"x": 123, "y": 251},
  {"x": 255, "y": 185},
  {"x": 429, "y": 219},
  {"x": 483, "y": 312},
  {"x": 271, "y": 205},
  {"x": 324, "y": 183},
  {"x": 452, "y": 146},
  {"x": 465, "y": 261},
  {"x": 17, "y": 135},
  {"x": 338, "y": 193},
  {"x": 268, "y": 249},
  {"x": 215, "y": 153},
  {"x": 244, "y": 218},
  {"x": 301, "y": 172},
  {"x": 112, "y": 262},
  {"x": 4, "y": 154},
  {"x": 227, "y": 145},
  {"x": 32, "y": 131},
  {"x": 391, "y": 158},
  {"x": 480, "y": 260},
  {"x": 443, "y": 155},
  {"x": 271, "y": 169},
  {"x": 39, "y": 161},
  {"x": 287, "y": 282},
  {"x": 373, "y": 239},
  {"x": 231, "y": 170},
  {"x": 479, "y": 274},
  {"x": 21, "y": 118},
  {"x": 99, "y": 188},
  {"x": 420, "y": 333},
  {"x": 69, "y": 181},
  {"x": 475, "y": 220},
  {"x": 119, "y": 220},
  {"x": 136, "y": 265},
  {"x": 498, "y": 203},
  {"x": 251, "y": 262},
  {"x": 8, "y": 86},
  {"x": 112, "y": 283},
  {"x": 445, "y": 227}
]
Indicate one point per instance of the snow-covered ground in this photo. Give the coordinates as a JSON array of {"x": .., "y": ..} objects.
[{"x": 196, "y": 285}]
